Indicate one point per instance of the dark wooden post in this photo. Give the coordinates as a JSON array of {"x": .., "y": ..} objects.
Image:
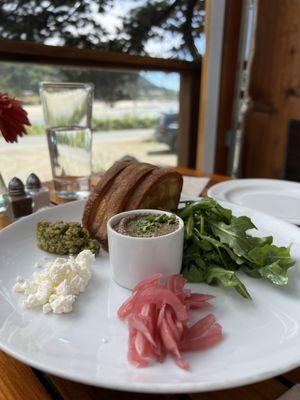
[
  {"x": 233, "y": 13},
  {"x": 274, "y": 88},
  {"x": 189, "y": 98}
]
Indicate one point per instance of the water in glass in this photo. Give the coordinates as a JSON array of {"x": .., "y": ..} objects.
[{"x": 70, "y": 150}]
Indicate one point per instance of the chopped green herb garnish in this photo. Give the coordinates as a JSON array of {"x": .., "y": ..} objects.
[{"x": 146, "y": 226}]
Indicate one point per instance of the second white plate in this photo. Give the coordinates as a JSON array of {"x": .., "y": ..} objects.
[{"x": 278, "y": 198}]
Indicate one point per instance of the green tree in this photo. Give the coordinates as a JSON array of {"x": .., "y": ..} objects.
[
  {"x": 73, "y": 22},
  {"x": 182, "y": 20},
  {"x": 15, "y": 79},
  {"x": 110, "y": 86},
  {"x": 69, "y": 22}
]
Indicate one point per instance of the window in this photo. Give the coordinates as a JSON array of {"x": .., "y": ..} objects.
[{"x": 134, "y": 114}]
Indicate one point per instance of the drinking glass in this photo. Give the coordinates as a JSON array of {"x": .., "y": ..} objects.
[{"x": 67, "y": 112}]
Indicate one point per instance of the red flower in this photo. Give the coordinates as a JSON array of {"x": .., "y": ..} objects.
[{"x": 12, "y": 118}]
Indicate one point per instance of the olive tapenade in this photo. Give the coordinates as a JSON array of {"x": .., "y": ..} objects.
[{"x": 64, "y": 238}]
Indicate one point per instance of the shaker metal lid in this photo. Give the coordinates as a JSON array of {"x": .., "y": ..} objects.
[
  {"x": 33, "y": 182},
  {"x": 16, "y": 187}
]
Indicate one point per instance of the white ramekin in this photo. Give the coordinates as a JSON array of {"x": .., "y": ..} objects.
[{"x": 133, "y": 259}]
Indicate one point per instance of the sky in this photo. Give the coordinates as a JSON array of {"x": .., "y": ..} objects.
[{"x": 163, "y": 79}]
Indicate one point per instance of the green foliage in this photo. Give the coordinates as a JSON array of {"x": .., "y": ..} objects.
[
  {"x": 107, "y": 124},
  {"x": 15, "y": 79},
  {"x": 216, "y": 245},
  {"x": 110, "y": 86},
  {"x": 35, "y": 130},
  {"x": 79, "y": 140},
  {"x": 183, "y": 19},
  {"x": 73, "y": 23},
  {"x": 125, "y": 122}
]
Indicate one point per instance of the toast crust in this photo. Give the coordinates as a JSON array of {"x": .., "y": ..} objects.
[
  {"x": 114, "y": 199},
  {"x": 161, "y": 189},
  {"x": 93, "y": 201},
  {"x": 130, "y": 185}
]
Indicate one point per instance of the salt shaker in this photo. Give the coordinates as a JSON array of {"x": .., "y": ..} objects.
[
  {"x": 18, "y": 202},
  {"x": 40, "y": 194}
]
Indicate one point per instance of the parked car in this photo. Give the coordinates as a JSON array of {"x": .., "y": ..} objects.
[{"x": 167, "y": 130}]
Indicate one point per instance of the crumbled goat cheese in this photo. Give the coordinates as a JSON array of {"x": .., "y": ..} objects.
[{"x": 56, "y": 287}]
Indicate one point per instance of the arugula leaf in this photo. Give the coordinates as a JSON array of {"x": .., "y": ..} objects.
[
  {"x": 256, "y": 241},
  {"x": 275, "y": 273},
  {"x": 223, "y": 212},
  {"x": 234, "y": 234},
  {"x": 193, "y": 274},
  {"x": 270, "y": 253},
  {"x": 216, "y": 244},
  {"x": 273, "y": 262},
  {"x": 251, "y": 271},
  {"x": 216, "y": 275},
  {"x": 205, "y": 204},
  {"x": 228, "y": 279},
  {"x": 189, "y": 226}
]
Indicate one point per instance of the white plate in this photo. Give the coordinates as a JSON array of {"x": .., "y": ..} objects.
[
  {"x": 261, "y": 337},
  {"x": 276, "y": 197}
]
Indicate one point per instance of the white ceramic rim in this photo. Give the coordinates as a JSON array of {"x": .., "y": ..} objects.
[
  {"x": 247, "y": 181},
  {"x": 217, "y": 191},
  {"x": 116, "y": 218},
  {"x": 148, "y": 388}
]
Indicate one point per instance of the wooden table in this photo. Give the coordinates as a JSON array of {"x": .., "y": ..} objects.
[{"x": 20, "y": 382}]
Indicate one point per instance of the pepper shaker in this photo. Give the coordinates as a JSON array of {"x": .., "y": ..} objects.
[
  {"x": 40, "y": 194},
  {"x": 18, "y": 202}
]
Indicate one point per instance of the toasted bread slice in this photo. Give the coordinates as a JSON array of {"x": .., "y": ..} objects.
[
  {"x": 159, "y": 190},
  {"x": 130, "y": 185},
  {"x": 89, "y": 219},
  {"x": 115, "y": 199}
]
